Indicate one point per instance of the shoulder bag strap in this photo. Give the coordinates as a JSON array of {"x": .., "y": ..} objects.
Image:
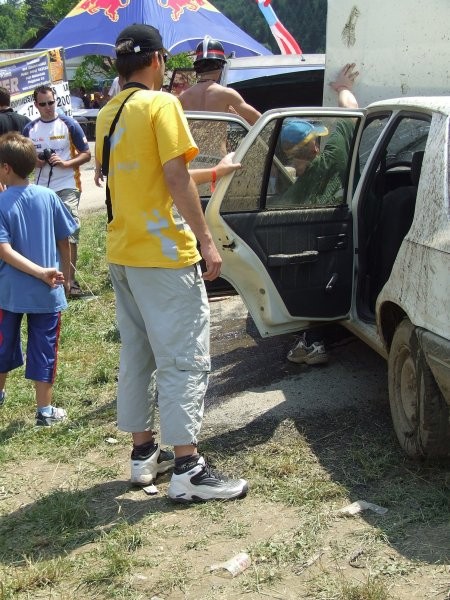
[{"x": 106, "y": 155}]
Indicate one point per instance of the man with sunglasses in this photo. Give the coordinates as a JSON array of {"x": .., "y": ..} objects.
[
  {"x": 161, "y": 303},
  {"x": 62, "y": 148}
]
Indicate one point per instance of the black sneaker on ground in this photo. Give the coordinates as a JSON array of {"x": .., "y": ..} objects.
[
  {"x": 201, "y": 482},
  {"x": 145, "y": 470}
]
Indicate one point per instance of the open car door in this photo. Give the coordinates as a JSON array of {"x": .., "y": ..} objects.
[{"x": 283, "y": 223}]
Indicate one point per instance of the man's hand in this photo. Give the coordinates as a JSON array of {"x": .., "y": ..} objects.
[
  {"x": 57, "y": 161},
  {"x": 52, "y": 277},
  {"x": 212, "y": 259},
  {"x": 98, "y": 175},
  {"x": 98, "y": 178},
  {"x": 226, "y": 165},
  {"x": 343, "y": 86},
  {"x": 345, "y": 79}
]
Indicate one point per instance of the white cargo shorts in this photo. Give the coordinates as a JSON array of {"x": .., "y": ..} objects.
[{"x": 163, "y": 319}]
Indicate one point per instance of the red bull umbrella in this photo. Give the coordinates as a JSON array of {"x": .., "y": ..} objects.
[{"x": 93, "y": 26}]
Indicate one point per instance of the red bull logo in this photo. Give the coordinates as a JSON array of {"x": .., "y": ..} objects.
[
  {"x": 178, "y": 6},
  {"x": 109, "y": 7}
]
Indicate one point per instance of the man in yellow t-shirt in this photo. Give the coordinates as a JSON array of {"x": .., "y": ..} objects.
[{"x": 162, "y": 309}]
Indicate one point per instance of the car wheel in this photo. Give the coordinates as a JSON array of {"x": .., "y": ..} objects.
[{"x": 419, "y": 412}]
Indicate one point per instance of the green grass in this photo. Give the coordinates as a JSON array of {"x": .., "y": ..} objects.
[{"x": 85, "y": 533}]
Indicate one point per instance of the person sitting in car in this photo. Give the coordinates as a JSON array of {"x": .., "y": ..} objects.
[
  {"x": 320, "y": 173},
  {"x": 320, "y": 177}
]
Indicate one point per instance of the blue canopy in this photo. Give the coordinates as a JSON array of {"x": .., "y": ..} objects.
[{"x": 93, "y": 26}]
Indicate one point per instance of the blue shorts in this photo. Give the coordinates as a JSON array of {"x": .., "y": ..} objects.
[{"x": 42, "y": 345}]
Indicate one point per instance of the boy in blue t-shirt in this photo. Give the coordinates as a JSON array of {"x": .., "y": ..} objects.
[{"x": 34, "y": 228}]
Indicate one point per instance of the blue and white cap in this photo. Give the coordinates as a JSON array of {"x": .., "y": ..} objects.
[{"x": 298, "y": 133}]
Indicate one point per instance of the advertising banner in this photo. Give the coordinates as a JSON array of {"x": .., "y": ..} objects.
[{"x": 21, "y": 73}]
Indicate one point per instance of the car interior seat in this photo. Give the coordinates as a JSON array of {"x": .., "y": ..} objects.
[{"x": 395, "y": 220}]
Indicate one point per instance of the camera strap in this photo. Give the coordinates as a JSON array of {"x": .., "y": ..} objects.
[
  {"x": 106, "y": 155},
  {"x": 49, "y": 175}
]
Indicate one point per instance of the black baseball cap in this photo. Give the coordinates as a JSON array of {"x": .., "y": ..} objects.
[{"x": 143, "y": 37}]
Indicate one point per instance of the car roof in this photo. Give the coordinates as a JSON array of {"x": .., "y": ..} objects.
[{"x": 434, "y": 103}]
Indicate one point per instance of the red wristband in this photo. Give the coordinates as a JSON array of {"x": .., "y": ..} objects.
[{"x": 213, "y": 180}]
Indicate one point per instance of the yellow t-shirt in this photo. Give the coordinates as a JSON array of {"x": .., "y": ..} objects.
[{"x": 146, "y": 230}]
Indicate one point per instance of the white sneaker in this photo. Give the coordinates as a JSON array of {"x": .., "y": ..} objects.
[
  {"x": 311, "y": 355},
  {"x": 202, "y": 483},
  {"x": 54, "y": 416},
  {"x": 144, "y": 471}
]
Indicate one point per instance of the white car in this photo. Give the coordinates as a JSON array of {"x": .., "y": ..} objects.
[{"x": 362, "y": 238}]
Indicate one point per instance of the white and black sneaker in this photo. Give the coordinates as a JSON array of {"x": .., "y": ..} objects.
[
  {"x": 310, "y": 355},
  {"x": 201, "y": 482},
  {"x": 144, "y": 470},
  {"x": 49, "y": 416}
]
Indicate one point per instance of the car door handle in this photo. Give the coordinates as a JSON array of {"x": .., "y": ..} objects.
[
  {"x": 338, "y": 241},
  {"x": 330, "y": 285},
  {"x": 282, "y": 260}
]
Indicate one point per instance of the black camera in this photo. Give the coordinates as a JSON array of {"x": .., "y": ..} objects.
[{"x": 46, "y": 154}]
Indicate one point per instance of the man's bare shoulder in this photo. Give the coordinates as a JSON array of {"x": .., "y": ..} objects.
[{"x": 191, "y": 98}]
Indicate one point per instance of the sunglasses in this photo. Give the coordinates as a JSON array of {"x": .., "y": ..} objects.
[
  {"x": 48, "y": 103},
  {"x": 164, "y": 56}
]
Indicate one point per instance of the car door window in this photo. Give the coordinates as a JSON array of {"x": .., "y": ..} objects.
[
  {"x": 214, "y": 138},
  {"x": 310, "y": 163},
  {"x": 372, "y": 130},
  {"x": 249, "y": 184}
]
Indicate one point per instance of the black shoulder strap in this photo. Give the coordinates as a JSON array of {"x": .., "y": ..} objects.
[{"x": 106, "y": 155}]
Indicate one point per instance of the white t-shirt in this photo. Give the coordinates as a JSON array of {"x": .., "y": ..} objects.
[
  {"x": 76, "y": 102},
  {"x": 65, "y": 137}
]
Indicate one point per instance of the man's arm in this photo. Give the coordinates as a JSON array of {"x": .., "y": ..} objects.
[
  {"x": 50, "y": 276},
  {"x": 185, "y": 197},
  {"x": 237, "y": 103},
  {"x": 224, "y": 167},
  {"x": 343, "y": 86},
  {"x": 76, "y": 161}
]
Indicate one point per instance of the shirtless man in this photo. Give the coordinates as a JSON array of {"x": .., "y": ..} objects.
[{"x": 209, "y": 95}]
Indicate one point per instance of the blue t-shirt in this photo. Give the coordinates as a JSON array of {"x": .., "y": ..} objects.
[{"x": 32, "y": 220}]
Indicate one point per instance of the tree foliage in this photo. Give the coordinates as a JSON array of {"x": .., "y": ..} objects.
[{"x": 12, "y": 24}]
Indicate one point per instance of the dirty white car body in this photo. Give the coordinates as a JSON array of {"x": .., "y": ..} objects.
[{"x": 384, "y": 275}]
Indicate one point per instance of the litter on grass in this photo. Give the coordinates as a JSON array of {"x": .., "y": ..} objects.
[
  {"x": 361, "y": 505},
  {"x": 232, "y": 567}
]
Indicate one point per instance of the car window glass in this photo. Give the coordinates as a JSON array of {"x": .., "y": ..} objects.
[
  {"x": 372, "y": 131},
  {"x": 410, "y": 136},
  {"x": 392, "y": 168},
  {"x": 310, "y": 163},
  {"x": 246, "y": 188},
  {"x": 214, "y": 138}
]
